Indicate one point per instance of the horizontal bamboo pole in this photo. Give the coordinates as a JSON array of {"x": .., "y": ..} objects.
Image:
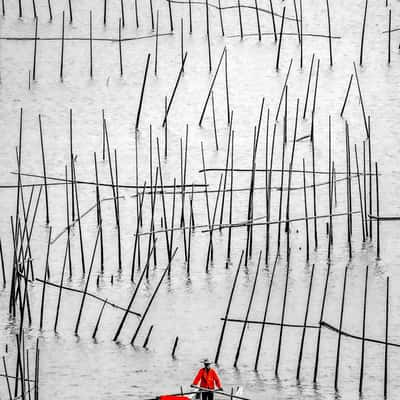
[{"x": 90, "y": 295}]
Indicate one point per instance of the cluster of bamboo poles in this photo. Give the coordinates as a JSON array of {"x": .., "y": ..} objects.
[
  {"x": 150, "y": 194},
  {"x": 278, "y": 36},
  {"x": 26, "y": 386},
  {"x": 306, "y": 325}
]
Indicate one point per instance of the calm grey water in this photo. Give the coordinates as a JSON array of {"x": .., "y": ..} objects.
[{"x": 190, "y": 306}]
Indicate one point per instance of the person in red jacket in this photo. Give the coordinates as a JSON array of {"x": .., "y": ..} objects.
[{"x": 208, "y": 379}]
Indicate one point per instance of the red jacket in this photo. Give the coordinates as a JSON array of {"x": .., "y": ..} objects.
[{"x": 207, "y": 378}]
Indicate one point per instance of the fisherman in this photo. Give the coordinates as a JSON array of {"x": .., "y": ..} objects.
[{"x": 208, "y": 379}]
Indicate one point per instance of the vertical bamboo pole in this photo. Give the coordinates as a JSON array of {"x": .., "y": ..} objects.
[
  {"x": 340, "y": 331},
  {"x": 156, "y": 50},
  {"x": 35, "y": 49},
  {"x": 171, "y": 23},
  {"x": 363, "y": 33},
  {"x": 308, "y": 86},
  {"x": 329, "y": 33},
  {"x": 280, "y": 39},
  {"x": 304, "y": 324},
  {"x": 378, "y": 236},
  {"x": 389, "y": 35},
  {"x": 260, "y": 340},
  {"x": 122, "y": 14},
  {"x": 360, "y": 193},
  {"x": 278, "y": 355},
  {"x": 62, "y": 48},
  {"x": 360, "y": 387},
  {"x": 247, "y": 312},
  {"x": 142, "y": 92},
  {"x": 306, "y": 212},
  {"x": 98, "y": 319},
  {"x": 273, "y": 20},
  {"x": 190, "y": 18},
  {"x": 221, "y": 337},
  {"x": 220, "y": 17},
  {"x": 386, "y": 339},
  {"x": 316, "y": 363},
  {"x": 347, "y": 95},
  {"x": 70, "y": 11}
]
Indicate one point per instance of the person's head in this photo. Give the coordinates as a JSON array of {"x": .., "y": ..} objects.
[{"x": 207, "y": 363}]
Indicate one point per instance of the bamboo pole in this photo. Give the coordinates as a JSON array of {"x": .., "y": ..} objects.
[
  {"x": 378, "y": 237},
  {"x": 360, "y": 387},
  {"x": 273, "y": 20},
  {"x": 44, "y": 170},
  {"x": 278, "y": 355},
  {"x": 98, "y": 320},
  {"x": 363, "y": 33},
  {"x": 87, "y": 283},
  {"x": 152, "y": 298},
  {"x": 329, "y": 32},
  {"x": 280, "y": 39},
  {"x": 247, "y": 312},
  {"x": 385, "y": 378},
  {"x": 261, "y": 337},
  {"x": 142, "y": 92},
  {"x": 316, "y": 363},
  {"x": 46, "y": 274},
  {"x": 305, "y": 324},
  {"x": 221, "y": 337},
  {"x": 340, "y": 331},
  {"x": 35, "y": 49}
]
